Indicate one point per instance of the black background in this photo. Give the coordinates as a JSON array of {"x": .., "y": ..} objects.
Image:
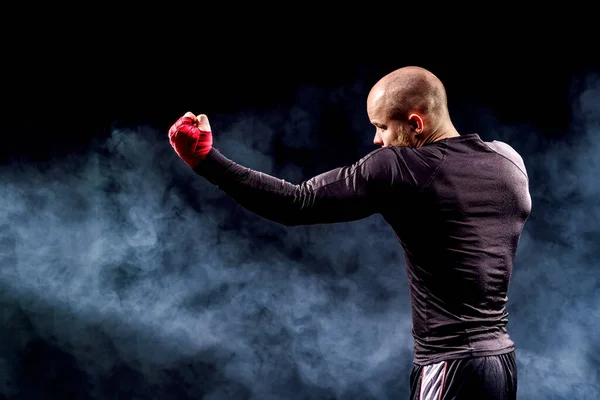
[{"x": 66, "y": 74}]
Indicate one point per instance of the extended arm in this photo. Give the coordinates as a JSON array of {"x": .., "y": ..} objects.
[{"x": 343, "y": 194}]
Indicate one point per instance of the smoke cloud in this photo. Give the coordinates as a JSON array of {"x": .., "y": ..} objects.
[{"x": 124, "y": 275}]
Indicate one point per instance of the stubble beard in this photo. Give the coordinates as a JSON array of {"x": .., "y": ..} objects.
[{"x": 402, "y": 139}]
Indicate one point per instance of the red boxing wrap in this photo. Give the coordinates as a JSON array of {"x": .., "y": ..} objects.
[{"x": 189, "y": 142}]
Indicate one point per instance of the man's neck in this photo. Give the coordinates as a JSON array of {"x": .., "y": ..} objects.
[{"x": 445, "y": 131}]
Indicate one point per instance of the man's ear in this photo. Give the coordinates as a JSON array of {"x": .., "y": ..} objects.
[{"x": 416, "y": 122}]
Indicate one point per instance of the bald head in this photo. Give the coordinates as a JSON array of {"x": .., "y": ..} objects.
[{"x": 410, "y": 91}]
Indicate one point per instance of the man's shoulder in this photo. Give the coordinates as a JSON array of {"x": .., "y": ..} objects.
[
  {"x": 405, "y": 157},
  {"x": 507, "y": 151},
  {"x": 400, "y": 164}
]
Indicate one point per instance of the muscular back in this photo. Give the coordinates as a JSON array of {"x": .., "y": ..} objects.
[{"x": 459, "y": 225}]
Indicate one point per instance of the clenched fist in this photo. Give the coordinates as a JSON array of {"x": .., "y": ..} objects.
[{"x": 191, "y": 138}]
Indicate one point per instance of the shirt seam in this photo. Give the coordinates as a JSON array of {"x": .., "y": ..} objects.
[
  {"x": 437, "y": 170},
  {"x": 313, "y": 190},
  {"x": 506, "y": 158},
  {"x": 356, "y": 167}
]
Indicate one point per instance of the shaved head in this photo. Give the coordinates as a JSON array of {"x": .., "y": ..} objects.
[
  {"x": 412, "y": 89},
  {"x": 415, "y": 96}
]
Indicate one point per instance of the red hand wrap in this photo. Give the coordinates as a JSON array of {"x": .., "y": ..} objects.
[{"x": 190, "y": 143}]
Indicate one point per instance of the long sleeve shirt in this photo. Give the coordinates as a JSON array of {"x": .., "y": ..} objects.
[{"x": 458, "y": 207}]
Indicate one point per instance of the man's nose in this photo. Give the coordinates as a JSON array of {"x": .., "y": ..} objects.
[{"x": 377, "y": 140}]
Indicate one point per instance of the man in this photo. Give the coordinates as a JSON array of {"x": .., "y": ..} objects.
[{"x": 456, "y": 203}]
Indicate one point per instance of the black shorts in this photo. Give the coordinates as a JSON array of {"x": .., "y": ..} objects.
[{"x": 479, "y": 378}]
